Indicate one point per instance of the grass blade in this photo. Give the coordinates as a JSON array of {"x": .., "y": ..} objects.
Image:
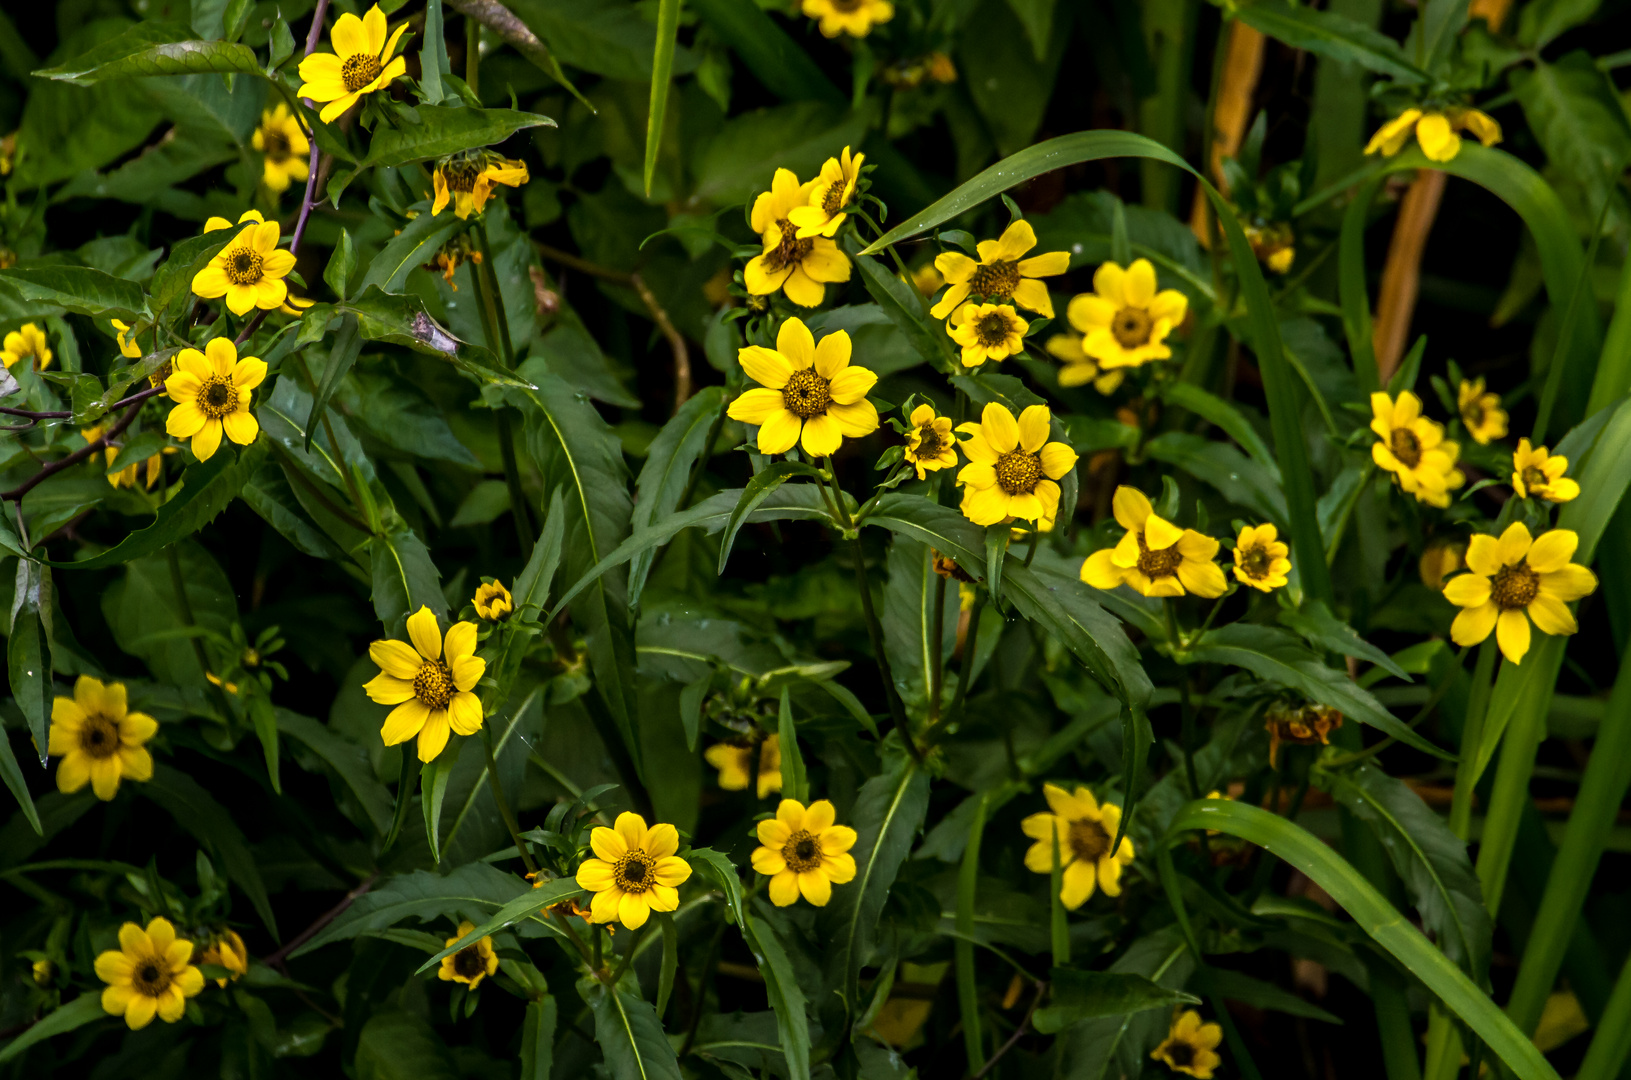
[{"x": 662, "y": 69}]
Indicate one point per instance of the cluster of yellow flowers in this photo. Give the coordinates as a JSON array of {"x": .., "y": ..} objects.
[
  {"x": 1157, "y": 558},
  {"x": 1414, "y": 449},
  {"x": 796, "y": 223}
]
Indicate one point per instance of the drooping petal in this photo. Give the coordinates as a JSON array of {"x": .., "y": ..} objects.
[
  {"x": 778, "y": 434},
  {"x": 1131, "y": 507},
  {"x": 1512, "y": 634},
  {"x": 821, "y": 436},
  {"x": 815, "y": 887},
  {"x": 464, "y": 713},
  {"x": 1204, "y": 579},
  {"x": 1474, "y": 624},
  {"x": 434, "y": 735},
  {"x": 784, "y": 888},
  {"x": 405, "y": 721}
]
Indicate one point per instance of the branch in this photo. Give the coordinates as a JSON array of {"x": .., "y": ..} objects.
[
  {"x": 135, "y": 404},
  {"x": 276, "y": 959},
  {"x": 1014, "y": 1038}
]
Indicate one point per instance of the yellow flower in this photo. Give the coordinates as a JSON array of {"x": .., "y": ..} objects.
[
  {"x": 493, "y": 601},
  {"x": 1085, "y": 828},
  {"x": 213, "y": 224},
  {"x": 149, "y": 973},
  {"x": 125, "y": 477},
  {"x": 1516, "y": 574},
  {"x": 1155, "y": 557},
  {"x": 468, "y": 178},
  {"x": 987, "y": 332},
  {"x": 22, "y": 344},
  {"x": 127, "y": 340},
  {"x": 808, "y": 393},
  {"x": 214, "y": 679},
  {"x": 804, "y": 853},
  {"x": 853, "y": 17},
  {"x": 211, "y": 390},
  {"x": 1261, "y": 559},
  {"x": 1191, "y": 1046},
  {"x": 1079, "y": 368},
  {"x": 470, "y": 964},
  {"x": 1273, "y": 244},
  {"x": 1000, "y": 274},
  {"x": 1439, "y": 560},
  {"x": 1537, "y": 474},
  {"x": 98, "y": 739},
  {"x": 286, "y": 148},
  {"x": 1012, "y": 468},
  {"x": 634, "y": 872},
  {"x": 227, "y": 950},
  {"x": 1436, "y": 131},
  {"x": 1481, "y": 412},
  {"x": 44, "y": 973},
  {"x": 1124, "y": 320},
  {"x": 1414, "y": 449},
  {"x": 931, "y": 444},
  {"x": 735, "y": 764},
  {"x": 797, "y": 267},
  {"x": 833, "y": 190},
  {"x": 361, "y": 63},
  {"x": 430, "y": 685},
  {"x": 249, "y": 271}
]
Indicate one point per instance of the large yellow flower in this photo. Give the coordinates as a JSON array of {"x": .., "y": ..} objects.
[
  {"x": 1079, "y": 368},
  {"x": 804, "y": 853},
  {"x": 830, "y": 192},
  {"x": 249, "y": 271},
  {"x": 125, "y": 477},
  {"x": 1190, "y": 1046},
  {"x": 1085, "y": 828},
  {"x": 1124, "y": 320},
  {"x": 211, "y": 390},
  {"x": 286, "y": 148},
  {"x": 808, "y": 393},
  {"x": 1155, "y": 556},
  {"x": 1413, "y": 449},
  {"x": 1012, "y": 467},
  {"x": 1261, "y": 560},
  {"x": 797, "y": 267},
  {"x": 492, "y": 601},
  {"x": 1436, "y": 131},
  {"x": 1514, "y": 575},
  {"x": 149, "y": 974},
  {"x": 931, "y": 445},
  {"x": 1537, "y": 474},
  {"x": 987, "y": 332},
  {"x": 735, "y": 764},
  {"x": 99, "y": 739},
  {"x": 430, "y": 685},
  {"x": 1001, "y": 275},
  {"x": 853, "y": 17},
  {"x": 361, "y": 63},
  {"x": 634, "y": 872},
  {"x": 28, "y": 342},
  {"x": 467, "y": 179},
  {"x": 470, "y": 964},
  {"x": 1481, "y": 412},
  {"x": 127, "y": 340}
]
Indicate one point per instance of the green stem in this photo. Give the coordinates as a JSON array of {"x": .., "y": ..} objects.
[
  {"x": 504, "y": 809},
  {"x": 628, "y": 956},
  {"x": 595, "y": 956},
  {"x": 937, "y": 659},
  {"x": 968, "y": 991},
  {"x": 492, "y": 295},
  {"x": 965, "y": 669},
  {"x": 497, "y": 331},
  {"x": 1472, "y": 734},
  {"x": 472, "y": 54}
]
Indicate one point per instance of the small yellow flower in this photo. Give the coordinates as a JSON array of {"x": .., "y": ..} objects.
[
  {"x": 1481, "y": 412},
  {"x": 227, "y": 950},
  {"x": 149, "y": 974},
  {"x": 1124, "y": 320},
  {"x": 634, "y": 871},
  {"x": 808, "y": 393},
  {"x": 1539, "y": 475},
  {"x": 214, "y": 224},
  {"x": 99, "y": 739},
  {"x": 127, "y": 340},
  {"x": 931, "y": 445},
  {"x": 216, "y": 680},
  {"x": 1514, "y": 575},
  {"x": 1436, "y": 131},
  {"x": 1191, "y": 1046},
  {"x": 28, "y": 342},
  {"x": 735, "y": 764},
  {"x": 470, "y": 964},
  {"x": 1439, "y": 560},
  {"x": 1012, "y": 469},
  {"x": 286, "y": 148},
  {"x": 493, "y": 601},
  {"x": 249, "y": 271},
  {"x": 1155, "y": 557},
  {"x": 430, "y": 685},
  {"x": 1414, "y": 449},
  {"x": 1001, "y": 275},
  {"x": 1079, "y": 369},
  {"x": 833, "y": 190},
  {"x": 44, "y": 973},
  {"x": 1261, "y": 559},
  {"x": 467, "y": 180},
  {"x": 804, "y": 853},
  {"x": 987, "y": 332},
  {"x": 1275, "y": 245},
  {"x": 1085, "y": 828},
  {"x": 797, "y": 267},
  {"x": 211, "y": 390},
  {"x": 853, "y": 17},
  {"x": 362, "y": 62},
  {"x": 125, "y": 477}
]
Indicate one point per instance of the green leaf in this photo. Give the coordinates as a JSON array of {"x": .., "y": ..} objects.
[
  {"x": 433, "y": 55},
  {"x": 1328, "y": 34},
  {"x": 765, "y": 49},
  {"x": 529, "y": 905},
  {"x": 397, "y": 1045},
  {"x": 409, "y": 249},
  {"x": 629, "y": 1035},
  {"x": 1541, "y": 21},
  {"x": 1091, "y": 995},
  {"x": 1117, "y": 1046},
  {"x": 404, "y": 793},
  {"x": 404, "y": 577},
  {"x": 1238, "y": 478},
  {"x": 1326, "y": 632},
  {"x": 1223, "y": 983},
  {"x": 671, "y": 961},
  {"x": 12, "y": 773},
  {"x": 78, "y": 289},
  {"x": 533, "y": 583},
  {"x": 444, "y": 130},
  {"x": 29, "y": 650},
  {"x": 155, "y": 48},
  {"x": 1386, "y": 926},
  {"x": 538, "y": 1039},
  {"x": 196, "y": 810},
  {"x": 349, "y": 762},
  {"x": 342, "y": 355},
  {"x": 662, "y": 69},
  {"x": 174, "y": 280},
  {"x": 781, "y": 984},
  {"x": 760, "y": 488},
  {"x": 996, "y": 553},
  {"x": 717, "y": 867},
  {"x": 676, "y": 451},
  {"x": 474, "y": 892},
  {"x": 341, "y": 265},
  {"x": 433, "y": 779},
  {"x": 795, "y": 785},
  {"x": 909, "y": 619},
  {"x": 904, "y": 306},
  {"x": 85, "y": 1009},
  {"x": 1225, "y": 415}
]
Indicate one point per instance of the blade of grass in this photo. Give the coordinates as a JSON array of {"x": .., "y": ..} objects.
[{"x": 662, "y": 69}]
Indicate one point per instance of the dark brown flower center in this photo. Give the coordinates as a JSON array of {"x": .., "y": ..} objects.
[
  {"x": 433, "y": 685},
  {"x": 1018, "y": 472},
  {"x": 807, "y": 394},
  {"x": 461, "y": 175},
  {"x": 1255, "y": 562},
  {"x": 359, "y": 70},
  {"x": 802, "y": 852},
  {"x": 1534, "y": 478},
  {"x": 1157, "y": 564},
  {"x": 635, "y": 872},
  {"x": 277, "y": 145},
  {"x": 1088, "y": 840},
  {"x": 847, "y": 6},
  {"x": 1181, "y": 1053},
  {"x": 150, "y": 979},
  {"x": 1473, "y": 414},
  {"x": 835, "y": 197},
  {"x": 789, "y": 251},
  {"x": 467, "y": 962},
  {"x": 995, "y": 279},
  {"x": 1514, "y": 586},
  {"x": 99, "y": 736},
  {"x": 992, "y": 330},
  {"x": 928, "y": 443},
  {"x": 217, "y": 398},
  {"x": 1131, "y": 327},
  {"x": 1406, "y": 447},
  {"x": 244, "y": 266}
]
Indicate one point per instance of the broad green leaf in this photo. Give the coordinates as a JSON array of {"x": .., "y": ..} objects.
[
  {"x": 196, "y": 810},
  {"x": 1325, "y": 631},
  {"x": 29, "y": 652},
  {"x": 1328, "y": 34},
  {"x": 1259, "y": 994},
  {"x": 433, "y": 62},
  {"x": 760, "y": 488},
  {"x": 473, "y": 892},
  {"x": 415, "y": 246},
  {"x": 344, "y": 352},
  {"x": 905, "y": 308},
  {"x": 78, "y": 289},
  {"x": 538, "y": 1039},
  {"x": 1541, "y": 21},
  {"x": 1226, "y": 415},
  {"x": 1118, "y": 1046},
  {"x": 1238, "y": 478},
  {"x": 348, "y": 760},
  {"x": 1092, "y": 995},
  {"x": 680, "y": 448},
  {"x": 173, "y": 281},
  {"x": 630, "y": 1036},
  {"x": 716, "y": 867},
  {"x": 786, "y": 998},
  {"x": 155, "y": 48},
  {"x": 405, "y": 578},
  {"x": 85, "y": 1009},
  {"x": 529, "y": 905},
  {"x": 795, "y": 784},
  {"x": 397, "y": 1045},
  {"x": 444, "y": 130},
  {"x": 909, "y": 619}
]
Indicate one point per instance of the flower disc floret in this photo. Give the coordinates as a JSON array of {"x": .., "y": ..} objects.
[
  {"x": 804, "y": 853},
  {"x": 634, "y": 872},
  {"x": 363, "y": 62},
  {"x": 466, "y": 179},
  {"x": 1514, "y": 581},
  {"x": 212, "y": 391},
  {"x": 149, "y": 974},
  {"x": 1154, "y": 556},
  {"x": 1013, "y": 470},
  {"x": 431, "y": 683},
  {"x": 808, "y": 393},
  {"x": 1084, "y": 828},
  {"x": 1125, "y": 321},
  {"x": 1002, "y": 274},
  {"x": 99, "y": 739}
]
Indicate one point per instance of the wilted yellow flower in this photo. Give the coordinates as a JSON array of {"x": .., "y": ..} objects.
[
  {"x": 1190, "y": 1046},
  {"x": 1085, "y": 828},
  {"x": 634, "y": 872},
  {"x": 431, "y": 686},
  {"x": 830, "y": 192},
  {"x": 1154, "y": 556},
  {"x": 1275, "y": 245},
  {"x": 286, "y": 148},
  {"x": 1512, "y": 576},
  {"x": 987, "y": 332},
  {"x": 1261, "y": 560},
  {"x": 149, "y": 974},
  {"x": 125, "y": 477},
  {"x": 1414, "y": 449},
  {"x": 734, "y": 760},
  {"x": 1079, "y": 367},
  {"x": 127, "y": 340},
  {"x": 1435, "y": 130},
  {"x": 26, "y": 343},
  {"x": 1539, "y": 475},
  {"x": 249, "y": 271},
  {"x": 211, "y": 390},
  {"x": 493, "y": 601},
  {"x": 470, "y": 964},
  {"x": 1481, "y": 412},
  {"x": 1001, "y": 275},
  {"x": 362, "y": 62},
  {"x": 797, "y": 267},
  {"x": 808, "y": 393},
  {"x": 931, "y": 445},
  {"x": 804, "y": 853},
  {"x": 1124, "y": 320},
  {"x": 467, "y": 179},
  {"x": 1308, "y": 725},
  {"x": 99, "y": 739},
  {"x": 853, "y": 17},
  {"x": 227, "y": 950},
  {"x": 1012, "y": 469}
]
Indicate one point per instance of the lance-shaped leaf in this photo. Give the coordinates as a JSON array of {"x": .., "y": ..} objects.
[
  {"x": 529, "y": 905},
  {"x": 629, "y": 1035},
  {"x": 79, "y": 289},
  {"x": 1075, "y": 996},
  {"x": 781, "y": 984},
  {"x": 760, "y": 488},
  {"x": 1331, "y": 35},
  {"x": 84, "y": 1009},
  {"x": 155, "y": 48},
  {"x": 444, "y": 130},
  {"x": 348, "y": 760},
  {"x": 678, "y": 449},
  {"x": 196, "y": 810},
  {"x": 414, "y": 246},
  {"x": 474, "y": 891},
  {"x": 28, "y": 653}
]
